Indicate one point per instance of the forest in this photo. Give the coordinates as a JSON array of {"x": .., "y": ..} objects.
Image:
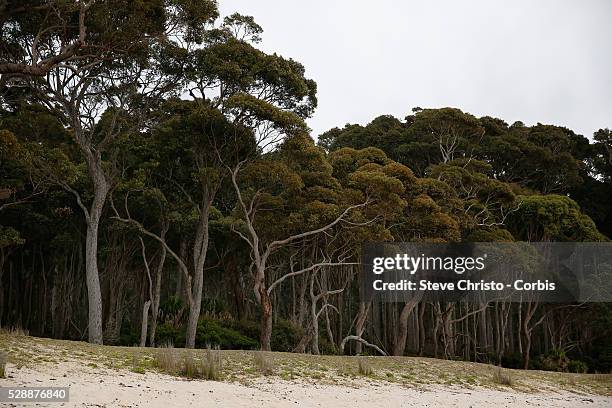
[{"x": 159, "y": 185}]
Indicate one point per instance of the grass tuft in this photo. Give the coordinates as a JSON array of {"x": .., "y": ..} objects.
[
  {"x": 502, "y": 377},
  {"x": 3, "y": 360},
  {"x": 15, "y": 331},
  {"x": 212, "y": 364},
  {"x": 264, "y": 363},
  {"x": 364, "y": 367},
  {"x": 208, "y": 368},
  {"x": 166, "y": 359}
]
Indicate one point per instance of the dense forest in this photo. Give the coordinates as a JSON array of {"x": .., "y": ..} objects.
[{"x": 159, "y": 184}]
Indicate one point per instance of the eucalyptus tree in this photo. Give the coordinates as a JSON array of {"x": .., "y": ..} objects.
[
  {"x": 99, "y": 75},
  {"x": 178, "y": 167},
  {"x": 268, "y": 192}
]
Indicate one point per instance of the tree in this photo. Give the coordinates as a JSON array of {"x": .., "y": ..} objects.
[{"x": 99, "y": 93}]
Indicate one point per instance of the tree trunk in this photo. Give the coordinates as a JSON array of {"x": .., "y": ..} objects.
[
  {"x": 266, "y": 321},
  {"x": 145, "y": 320},
  {"x": 157, "y": 294},
  {"x": 94, "y": 296},
  {"x": 402, "y": 332},
  {"x": 360, "y": 324},
  {"x": 200, "y": 249}
]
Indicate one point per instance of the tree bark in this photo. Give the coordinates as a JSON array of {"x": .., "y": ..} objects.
[
  {"x": 143, "y": 327},
  {"x": 94, "y": 296},
  {"x": 402, "y": 332},
  {"x": 266, "y": 321},
  {"x": 199, "y": 258}
]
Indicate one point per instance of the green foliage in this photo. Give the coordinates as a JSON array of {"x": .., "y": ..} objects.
[
  {"x": 285, "y": 336},
  {"x": 577, "y": 366},
  {"x": 10, "y": 237},
  {"x": 555, "y": 360},
  {"x": 552, "y": 218},
  {"x": 211, "y": 331}
]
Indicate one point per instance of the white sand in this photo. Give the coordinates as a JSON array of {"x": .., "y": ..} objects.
[{"x": 100, "y": 387}]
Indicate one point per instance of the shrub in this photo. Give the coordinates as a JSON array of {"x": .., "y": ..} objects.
[
  {"x": 514, "y": 360},
  {"x": 167, "y": 333},
  {"x": 556, "y": 360},
  {"x": 212, "y": 331},
  {"x": 577, "y": 366},
  {"x": 364, "y": 367},
  {"x": 285, "y": 335},
  {"x": 502, "y": 377},
  {"x": 3, "y": 361},
  {"x": 264, "y": 363}
]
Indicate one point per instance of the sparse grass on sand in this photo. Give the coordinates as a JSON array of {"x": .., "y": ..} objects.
[
  {"x": 264, "y": 363},
  {"x": 3, "y": 360},
  {"x": 364, "y": 367},
  {"x": 245, "y": 366},
  {"x": 502, "y": 376}
]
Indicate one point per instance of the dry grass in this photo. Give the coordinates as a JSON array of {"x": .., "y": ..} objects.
[
  {"x": 3, "y": 360},
  {"x": 264, "y": 362},
  {"x": 166, "y": 359},
  {"x": 244, "y": 366},
  {"x": 364, "y": 367},
  {"x": 502, "y": 377},
  {"x": 15, "y": 331},
  {"x": 208, "y": 368},
  {"x": 212, "y": 364}
]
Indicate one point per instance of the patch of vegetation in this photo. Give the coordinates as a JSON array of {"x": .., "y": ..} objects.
[
  {"x": 502, "y": 377},
  {"x": 364, "y": 367},
  {"x": 3, "y": 361},
  {"x": 264, "y": 362}
]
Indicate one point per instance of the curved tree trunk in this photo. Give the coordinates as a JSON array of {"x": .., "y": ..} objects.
[{"x": 402, "y": 332}]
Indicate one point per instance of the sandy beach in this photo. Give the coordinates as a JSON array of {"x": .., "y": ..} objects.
[{"x": 100, "y": 387}]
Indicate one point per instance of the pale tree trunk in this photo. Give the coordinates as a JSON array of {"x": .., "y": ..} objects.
[
  {"x": 145, "y": 319},
  {"x": 157, "y": 292},
  {"x": 360, "y": 324},
  {"x": 402, "y": 332},
  {"x": 94, "y": 296},
  {"x": 199, "y": 258}
]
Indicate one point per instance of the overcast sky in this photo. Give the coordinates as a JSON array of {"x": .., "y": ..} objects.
[{"x": 543, "y": 61}]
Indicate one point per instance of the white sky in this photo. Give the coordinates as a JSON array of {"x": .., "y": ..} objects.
[{"x": 543, "y": 61}]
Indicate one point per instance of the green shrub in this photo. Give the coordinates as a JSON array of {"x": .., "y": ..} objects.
[
  {"x": 166, "y": 333},
  {"x": 212, "y": 331},
  {"x": 285, "y": 335},
  {"x": 249, "y": 328},
  {"x": 577, "y": 366},
  {"x": 556, "y": 360},
  {"x": 513, "y": 360}
]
